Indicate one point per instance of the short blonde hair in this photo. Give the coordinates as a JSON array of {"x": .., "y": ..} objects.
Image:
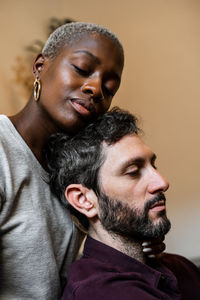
[{"x": 68, "y": 33}]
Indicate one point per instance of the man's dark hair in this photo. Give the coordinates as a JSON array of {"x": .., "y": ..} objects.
[{"x": 77, "y": 159}]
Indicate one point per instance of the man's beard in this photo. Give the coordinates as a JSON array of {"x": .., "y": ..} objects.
[{"x": 119, "y": 218}]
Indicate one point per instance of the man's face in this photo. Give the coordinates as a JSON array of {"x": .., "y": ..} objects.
[{"x": 131, "y": 200}]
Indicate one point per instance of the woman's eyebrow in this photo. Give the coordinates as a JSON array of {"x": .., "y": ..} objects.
[
  {"x": 89, "y": 54},
  {"x": 97, "y": 60}
]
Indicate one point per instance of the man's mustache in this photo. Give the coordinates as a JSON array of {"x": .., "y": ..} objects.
[{"x": 157, "y": 198}]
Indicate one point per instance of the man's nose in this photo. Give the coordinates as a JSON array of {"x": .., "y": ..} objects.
[
  {"x": 93, "y": 87},
  {"x": 158, "y": 183}
]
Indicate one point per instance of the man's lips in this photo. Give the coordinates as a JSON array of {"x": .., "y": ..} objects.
[
  {"x": 83, "y": 107},
  {"x": 158, "y": 206}
]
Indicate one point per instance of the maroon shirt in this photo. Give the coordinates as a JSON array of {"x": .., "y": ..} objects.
[{"x": 104, "y": 273}]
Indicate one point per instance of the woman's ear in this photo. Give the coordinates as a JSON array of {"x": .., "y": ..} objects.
[
  {"x": 38, "y": 65},
  {"x": 82, "y": 199}
]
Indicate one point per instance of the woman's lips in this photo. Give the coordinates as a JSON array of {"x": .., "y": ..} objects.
[{"x": 83, "y": 107}]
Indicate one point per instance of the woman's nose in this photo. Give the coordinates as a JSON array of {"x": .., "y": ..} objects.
[{"x": 93, "y": 87}]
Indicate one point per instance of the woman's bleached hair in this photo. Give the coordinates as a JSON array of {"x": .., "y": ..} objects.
[{"x": 67, "y": 34}]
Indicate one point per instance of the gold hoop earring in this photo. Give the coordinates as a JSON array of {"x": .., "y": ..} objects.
[{"x": 37, "y": 88}]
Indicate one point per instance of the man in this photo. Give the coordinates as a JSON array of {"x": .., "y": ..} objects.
[{"x": 109, "y": 178}]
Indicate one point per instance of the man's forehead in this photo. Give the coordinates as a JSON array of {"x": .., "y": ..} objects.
[{"x": 130, "y": 147}]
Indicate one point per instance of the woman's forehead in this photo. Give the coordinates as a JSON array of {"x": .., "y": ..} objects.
[
  {"x": 99, "y": 45},
  {"x": 92, "y": 39}
]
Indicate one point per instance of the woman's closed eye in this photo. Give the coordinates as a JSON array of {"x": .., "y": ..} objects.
[
  {"x": 81, "y": 71},
  {"x": 108, "y": 91}
]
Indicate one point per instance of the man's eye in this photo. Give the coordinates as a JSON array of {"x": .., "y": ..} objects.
[
  {"x": 80, "y": 71},
  {"x": 154, "y": 166},
  {"x": 133, "y": 173}
]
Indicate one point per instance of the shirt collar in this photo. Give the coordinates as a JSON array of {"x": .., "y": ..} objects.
[{"x": 124, "y": 263}]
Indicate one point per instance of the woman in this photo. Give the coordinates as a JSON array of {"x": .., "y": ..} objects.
[{"x": 75, "y": 78}]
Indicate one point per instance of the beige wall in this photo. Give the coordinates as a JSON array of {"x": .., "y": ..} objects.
[{"x": 160, "y": 83}]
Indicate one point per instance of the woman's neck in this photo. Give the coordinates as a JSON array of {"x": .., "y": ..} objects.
[{"x": 34, "y": 128}]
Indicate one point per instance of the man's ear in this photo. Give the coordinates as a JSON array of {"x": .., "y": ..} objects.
[
  {"x": 82, "y": 199},
  {"x": 38, "y": 65}
]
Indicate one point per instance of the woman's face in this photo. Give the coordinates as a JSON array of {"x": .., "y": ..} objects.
[{"x": 79, "y": 84}]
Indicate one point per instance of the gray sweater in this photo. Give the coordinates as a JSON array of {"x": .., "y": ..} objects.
[{"x": 38, "y": 239}]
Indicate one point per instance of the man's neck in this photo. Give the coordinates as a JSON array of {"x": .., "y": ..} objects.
[{"x": 125, "y": 245}]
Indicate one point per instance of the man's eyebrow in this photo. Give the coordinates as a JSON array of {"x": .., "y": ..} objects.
[
  {"x": 138, "y": 161},
  {"x": 88, "y": 53},
  {"x": 130, "y": 162}
]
